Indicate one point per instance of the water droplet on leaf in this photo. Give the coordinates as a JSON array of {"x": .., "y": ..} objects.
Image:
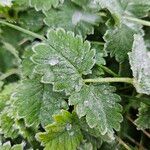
[
  {"x": 68, "y": 127},
  {"x": 71, "y": 133},
  {"x": 53, "y": 61},
  {"x": 86, "y": 103}
]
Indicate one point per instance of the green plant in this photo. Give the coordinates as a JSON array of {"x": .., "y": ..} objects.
[{"x": 74, "y": 75}]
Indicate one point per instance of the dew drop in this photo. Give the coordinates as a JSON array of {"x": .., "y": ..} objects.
[
  {"x": 71, "y": 133},
  {"x": 68, "y": 127},
  {"x": 53, "y": 61},
  {"x": 77, "y": 87},
  {"x": 86, "y": 103}
]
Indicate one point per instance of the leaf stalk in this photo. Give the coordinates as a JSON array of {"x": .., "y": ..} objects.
[
  {"x": 35, "y": 35},
  {"x": 105, "y": 80},
  {"x": 139, "y": 21}
]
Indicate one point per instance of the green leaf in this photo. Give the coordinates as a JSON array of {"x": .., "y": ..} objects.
[
  {"x": 5, "y": 95},
  {"x": 81, "y": 3},
  {"x": 64, "y": 133},
  {"x": 143, "y": 120},
  {"x": 7, "y": 125},
  {"x": 13, "y": 51},
  {"x": 44, "y": 4},
  {"x": 63, "y": 59},
  {"x": 6, "y": 120},
  {"x": 140, "y": 64},
  {"x": 7, "y": 33},
  {"x": 111, "y": 146},
  {"x": 72, "y": 18},
  {"x": 85, "y": 146},
  {"x": 130, "y": 7},
  {"x": 89, "y": 140},
  {"x": 139, "y": 8},
  {"x": 93, "y": 142},
  {"x": 100, "y": 53},
  {"x": 93, "y": 135},
  {"x": 88, "y": 5},
  {"x": 28, "y": 132},
  {"x": 31, "y": 20},
  {"x": 27, "y": 64},
  {"x": 119, "y": 42},
  {"x": 40, "y": 100},
  {"x": 24, "y": 3},
  {"x": 7, "y": 146},
  {"x": 7, "y": 59},
  {"x": 112, "y": 5},
  {"x": 101, "y": 107}
]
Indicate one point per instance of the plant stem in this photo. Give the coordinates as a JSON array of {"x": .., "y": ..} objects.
[
  {"x": 123, "y": 143},
  {"x": 141, "y": 143},
  {"x": 139, "y": 21},
  {"x": 120, "y": 69},
  {"x": 106, "y": 69},
  {"x": 132, "y": 140},
  {"x": 97, "y": 42},
  {"x": 23, "y": 30},
  {"x": 104, "y": 80},
  {"x": 145, "y": 132}
]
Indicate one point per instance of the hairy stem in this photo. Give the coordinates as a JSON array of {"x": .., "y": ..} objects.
[
  {"x": 105, "y": 80},
  {"x": 139, "y": 21},
  {"x": 22, "y": 30}
]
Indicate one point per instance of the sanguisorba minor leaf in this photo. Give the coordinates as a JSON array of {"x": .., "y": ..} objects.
[
  {"x": 119, "y": 42},
  {"x": 88, "y": 5},
  {"x": 31, "y": 20},
  {"x": 7, "y": 146},
  {"x": 143, "y": 120},
  {"x": 63, "y": 134},
  {"x": 6, "y": 120},
  {"x": 5, "y": 95},
  {"x": 140, "y": 64},
  {"x": 7, "y": 125},
  {"x": 44, "y": 4},
  {"x": 63, "y": 59},
  {"x": 139, "y": 8},
  {"x": 36, "y": 102},
  {"x": 100, "y": 105},
  {"x": 119, "y": 39},
  {"x": 72, "y": 18},
  {"x": 122, "y": 8},
  {"x": 27, "y": 65}
]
